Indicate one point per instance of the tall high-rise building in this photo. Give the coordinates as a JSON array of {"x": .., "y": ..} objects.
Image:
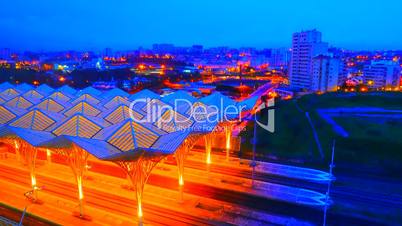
[
  {"x": 107, "y": 52},
  {"x": 163, "y": 48},
  {"x": 382, "y": 74},
  {"x": 305, "y": 46},
  {"x": 279, "y": 57},
  {"x": 325, "y": 72}
]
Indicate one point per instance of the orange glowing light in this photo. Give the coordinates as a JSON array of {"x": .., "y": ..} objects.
[
  {"x": 33, "y": 181},
  {"x": 139, "y": 210},
  {"x": 35, "y": 83},
  {"x": 181, "y": 180},
  {"x": 228, "y": 142},
  {"x": 272, "y": 94},
  {"x": 288, "y": 97},
  {"x": 80, "y": 191},
  {"x": 62, "y": 79}
]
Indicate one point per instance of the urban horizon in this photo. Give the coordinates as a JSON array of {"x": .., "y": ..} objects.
[{"x": 149, "y": 47}]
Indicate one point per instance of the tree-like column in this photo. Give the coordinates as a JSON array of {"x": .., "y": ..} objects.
[
  {"x": 138, "y": 171},
  {"x": 228, "y": 138},
  {"x": 77, "y": 159},
  {"x": 208, "y": 148},
  {"x": 26, "y": 154},
  {"x": 181, "y": 155},
  {"x": 28, "y": 157}
]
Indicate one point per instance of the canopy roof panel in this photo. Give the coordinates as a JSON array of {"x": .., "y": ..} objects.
[
  {"x": 9, "y": 93},
  {"x": 198, "y": 109},
  {"x": 45, "y": 89},
  {"x": 33, "y": 94},
  {"x": 6, "y": 115},
  {"x": 60, "y": 96},
  {"x": 77, "y": 125},
  {"x": 88, "y": 98},
  {"x": 67, "y": 90},
  {"x": 89, "y": 90},
  {"x": 36, "y": 119},
  {"x": 115, "y": 101},
  {"x": 19, "y": 102},
  {"x": 164, "y": 145},
  {"x": 84, "y": 108},
  {"x": 154, "y": 105},
  {"x": 219, "y": 100},
  {"x": 49, "y": 104},
  {"x": 129, "y": 135},
  {"x": 169, "y": 143},
  {"x": 121, "y": 113},
  {"x": 115, "y": 92},
  {"x": 16, "y": 111},
  {"x": 145, "y": 93},
  {"x": 180, "y": 96},
  {"x": 171, "y": 121},
  {"x": 24, "y": 87},
  {"x": 5, "y": 85}
]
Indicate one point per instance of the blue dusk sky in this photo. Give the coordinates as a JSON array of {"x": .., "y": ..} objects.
[{"x": 128, "y": 24}]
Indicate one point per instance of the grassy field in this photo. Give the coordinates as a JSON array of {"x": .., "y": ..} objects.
[{"x": 372, "y": 145}]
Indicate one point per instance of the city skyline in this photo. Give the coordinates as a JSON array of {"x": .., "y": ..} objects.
[{"x": 94, "y": 26}]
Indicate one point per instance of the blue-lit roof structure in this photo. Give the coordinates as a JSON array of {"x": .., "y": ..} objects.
[
  {"x": 120, "y": 113},
  {"x": 90, "y": 98},
  {"x": 112, "y": 102},
  {"x": 9, "y": 93},
  {"x": 33, "y": 94},
  {"x": 66, "y": 89},
  {"x": 145, "y": 93},
  {"x": 5, "y": 85},
  {"x": 49, "y": 104},
  {"x": 23, "y": 87},
  {"x": 61, "y": 96},
  {"x": 179, "y": 96},
  {"x": 36, "y": 119},
  {"x": 115, "y": 92},
  {"x": 83, "y": 107},
  {"x": 20, "y": 102},
  {"x": 90, "y": 117},
  {"x": 89, "y": 90},
  {"x": 45, "y": 89}
]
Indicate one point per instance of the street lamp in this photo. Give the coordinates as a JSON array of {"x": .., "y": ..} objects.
[{"x": 331, "y": 166}]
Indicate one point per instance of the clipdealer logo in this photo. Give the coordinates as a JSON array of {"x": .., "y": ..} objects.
[
  {"x": 155, "y": 113},
  {"x": 269, "y": 105}
]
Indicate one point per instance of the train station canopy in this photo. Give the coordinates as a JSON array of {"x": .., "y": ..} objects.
[{"x": 103, "y": 122}]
